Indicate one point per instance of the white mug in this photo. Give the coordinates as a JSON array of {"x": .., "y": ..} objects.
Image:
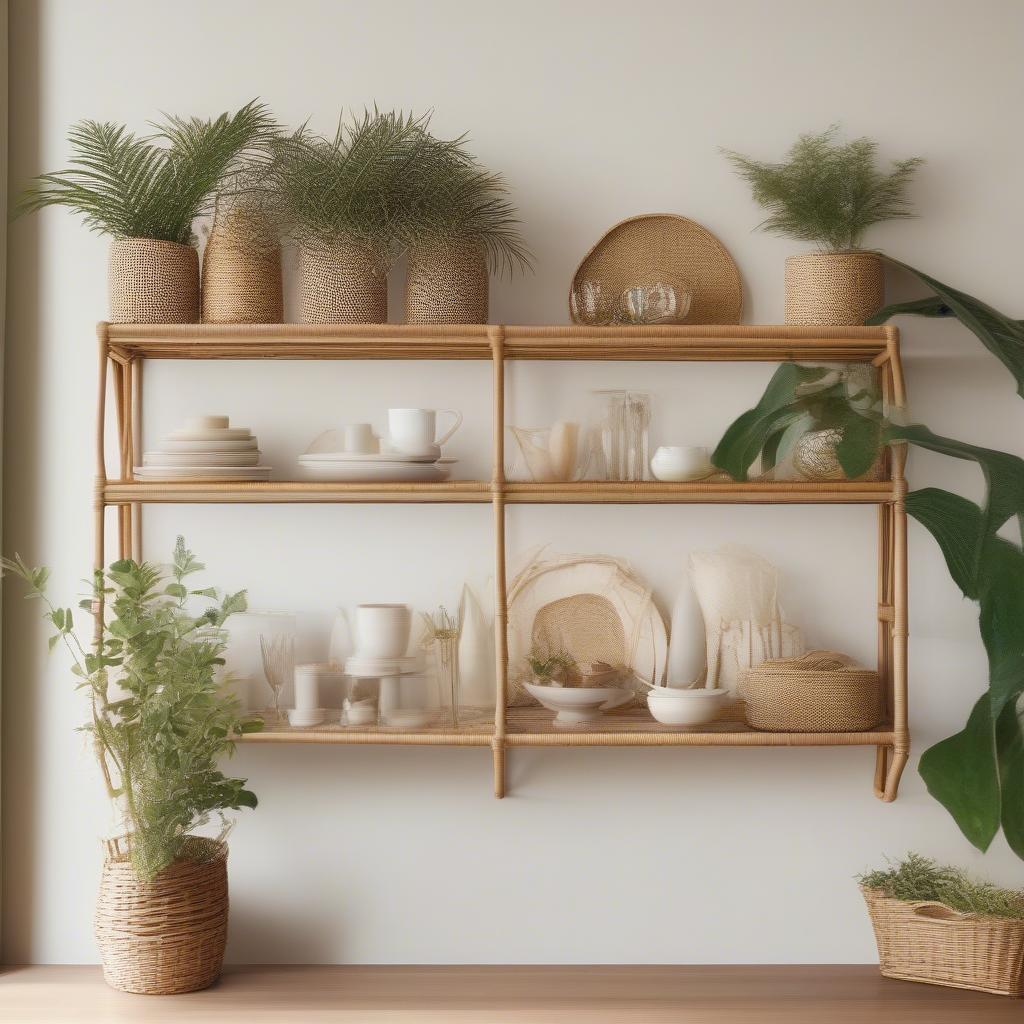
[
  {"x": 359, "y": 439},
  {"x": 383, "y": 630},
  {"x": 412, "y": 430}
]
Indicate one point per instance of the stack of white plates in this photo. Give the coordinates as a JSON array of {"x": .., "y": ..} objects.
[{"x": 205, "y": 448}]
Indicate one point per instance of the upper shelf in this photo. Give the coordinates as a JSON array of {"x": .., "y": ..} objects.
[{"x": 761, "y": 343}]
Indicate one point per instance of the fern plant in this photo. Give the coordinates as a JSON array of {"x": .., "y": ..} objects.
[
  {"x": 826, "y": 192},
  {"x": 158, "y": 719},
  {"x": 153, "y": 186}
]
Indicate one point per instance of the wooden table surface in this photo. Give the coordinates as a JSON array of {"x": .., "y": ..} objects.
[{"x": 616, "y": 994}]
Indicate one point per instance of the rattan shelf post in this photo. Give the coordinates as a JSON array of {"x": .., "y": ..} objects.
[{"x": 123, "y": 349}]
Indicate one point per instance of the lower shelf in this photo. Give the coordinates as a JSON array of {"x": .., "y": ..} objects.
[{"x": 533, "y": 727}]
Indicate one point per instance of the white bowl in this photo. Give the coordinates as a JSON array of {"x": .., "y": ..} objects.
[
  {"x": 675, "y": 706},
  {"x": 408, "y": 718},
  {"x": 305, "y": 718},
  {"x": 676, "y": 463},
  {"x": 576, "y": 705}
]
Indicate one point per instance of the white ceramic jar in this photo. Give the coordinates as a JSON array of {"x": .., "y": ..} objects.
[
  {"x": 674, "y": 463},
  {"x": 383, "y": 630}
]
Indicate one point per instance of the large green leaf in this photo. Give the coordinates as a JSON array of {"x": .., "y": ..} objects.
[
  {"x": 961, "y": 772},
  {"x": 1003, "y": 337},
  {"x": 955, "y": 523},
  {"x": 1010, "y": 749}
]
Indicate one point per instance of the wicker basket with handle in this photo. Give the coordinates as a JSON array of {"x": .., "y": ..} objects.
[
  {"x": 153, "y": 282},
  {"x": 821, "y": 691},
  {"x": 167, "y": 935},
  {"x": 930, "y": 942}
]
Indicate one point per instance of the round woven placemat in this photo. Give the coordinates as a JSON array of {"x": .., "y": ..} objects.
[{"x": 646, "y": 249}]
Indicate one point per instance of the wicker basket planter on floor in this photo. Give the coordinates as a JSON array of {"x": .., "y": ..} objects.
[
  {"x": 821, "y": 691},
  {"x": 164, "y": 936},
  {"x": 342, "y": 283},
  {"x": 840, "y": 289},
  {"x": 153, "y": 282},
  {"x": 930, "y": 942},
  {"x": 446, "y": 283},
  {"x": 241, "y": 273}
]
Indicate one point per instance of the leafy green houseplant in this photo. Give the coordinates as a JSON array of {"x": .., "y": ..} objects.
[
  {"x": 554, "y": 669},
  {"x": 829, "y": 194},
  {"x": 145, "y": 192}
]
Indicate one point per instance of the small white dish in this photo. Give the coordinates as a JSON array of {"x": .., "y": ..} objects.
[
  {"x": 374, "y": 457},
  {"x": 207, "y": 422},
  {"x": 250, "y": 458},
  {"x": 373, "y": 471},
  {"x": 361, "y": 666},
  {"x": 211, "y": 434},
  {"x": 675, "y": 706},
  {"x": 243, "y": 473},
  {"x": 306, "y": 718},
  {"x": 578, "y": 705},
  {"x": 676, "y": 463},
  {"x": 361, "y": 714},
  {"x": 169, "y": 444},
  {"x": 408, "y": 718}
]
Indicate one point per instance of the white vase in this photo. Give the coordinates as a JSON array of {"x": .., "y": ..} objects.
[
  {"x": 340, "y": 647},
  {"x": 686, "y": 640},
  {"x": 476, "y": 653}
]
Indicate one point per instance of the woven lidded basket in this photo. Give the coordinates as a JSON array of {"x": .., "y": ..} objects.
[
  {"x": 168, "y": 935},
  {"x": 821, "y": 691},
  {"x": 153, "y": 282},
  {"x": 932, "y": 943},
  {"x": 241, "y": 272},
  {"x": 839, "y": 289},
  {"x": 341, "y": 283},
  {"x": 447, "y": 283}
]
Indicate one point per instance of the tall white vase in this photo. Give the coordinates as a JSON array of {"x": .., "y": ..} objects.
[
  {"x": 686, "y": 640},
  {"x": 476, "y": 653}
]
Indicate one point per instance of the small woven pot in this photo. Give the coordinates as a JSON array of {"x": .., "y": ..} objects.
[
  {"x": 839, "y": 289},
  {"x": 153, "y": 282},
  {"x": 342, "y": 283},
  {"x": 821, "y": 691},
  {"x": 164, "y": 936},
  {"x": 815, "y": 458},
  {"x": 447, "y": 283},
  {"x": 930, "y": 942},
  {"x": 241, "y": 272}
]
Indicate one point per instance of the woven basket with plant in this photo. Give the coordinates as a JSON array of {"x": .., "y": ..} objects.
[
  {"x": 830, "y": 194},
  {"x": 159, "y": 722},
  {"x": 145, "y": 193}
]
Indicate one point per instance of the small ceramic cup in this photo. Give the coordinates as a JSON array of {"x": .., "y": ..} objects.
[
  {"x": 383, "y": 630},
  {"x": 359, "y": 439},
  {"x": 412, "y": 431},
  {"x": 673, "y": 463}
]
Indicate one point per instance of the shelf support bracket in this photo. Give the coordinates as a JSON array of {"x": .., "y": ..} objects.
[{"x": 496, "y": 337}]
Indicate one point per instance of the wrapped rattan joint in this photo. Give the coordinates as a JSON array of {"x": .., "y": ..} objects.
[{"x": 821, "y": 691}]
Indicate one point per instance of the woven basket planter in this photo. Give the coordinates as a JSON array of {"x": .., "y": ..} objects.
[
  {"x": 342, "y": 283},
  {"x": 164, "y": 936},
  {"x": 153, "y": 282},
  {"x": 447, "y": 283},
  {"x": 241, "y": 273},
  {"x": 820, "y": 691},
  {"x": 839, "y": 289},
  {"x": 815, "y": 458},
  {"x": 929, "y": 942}
]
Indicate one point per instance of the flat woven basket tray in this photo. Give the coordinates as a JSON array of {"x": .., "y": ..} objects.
[{"x": 646, "y": 249}]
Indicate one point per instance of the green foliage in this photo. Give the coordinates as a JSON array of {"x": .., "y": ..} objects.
[
  {"x": 977, "y": 774},
  {"x": 153, "y": 186},
  {"x": 158, "y": 717},
  {"x": 547, "y": 667},
  {"x": 919, "y": 879},
  {"x": 825, "y": 192}
]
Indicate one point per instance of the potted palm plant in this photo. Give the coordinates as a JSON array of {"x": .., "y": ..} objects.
[
  {"x": 461, "y": 229},
  {"x": 159, "y": 723},
  {"x": 830, "y": 194},
  {"x": 145, "y": 193},
  {"x": 343, "y": 200}
]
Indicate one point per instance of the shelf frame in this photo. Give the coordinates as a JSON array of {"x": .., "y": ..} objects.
[{"x": 124, "y": 349}]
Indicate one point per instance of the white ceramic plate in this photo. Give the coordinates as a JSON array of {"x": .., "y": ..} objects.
[
  {"x": 203, "y": 472},
  {"x": 185, "y": 459},
  {"x": 370, "y": 472},
  {"x": 211, "y": 434},
  {"x": 168, "y": 444},
  {"x": 577, "y": 705},
  {"x": 382, "y": 457}
]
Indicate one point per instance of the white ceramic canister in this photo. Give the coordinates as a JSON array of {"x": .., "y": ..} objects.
[
  {"x": 382, "y": 630},
  {"x": 673, "y": 463}
]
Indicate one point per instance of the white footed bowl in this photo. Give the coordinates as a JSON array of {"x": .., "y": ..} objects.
[
  {"x": 676, "y": 706},
  {"x": 577, "y": 705}
]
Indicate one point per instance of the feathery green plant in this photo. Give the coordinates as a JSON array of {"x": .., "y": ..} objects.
[
  {"x": 357, "y": 186},
  {"x": 918, "y": 879},
  {"x": 546, "y": 667},
  {"x": 159, "y": 720},
  {"x": 828, "y": 193},
  {"x": 153, "y": 186}
]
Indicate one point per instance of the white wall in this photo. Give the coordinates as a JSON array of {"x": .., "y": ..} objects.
[{"x": 595, "y": 112}]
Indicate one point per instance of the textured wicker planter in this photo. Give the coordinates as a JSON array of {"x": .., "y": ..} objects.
[
  {"x": 164, "y": 936},
  {"x": 930, "y": 942},
  {"x": 447, "y": 283},
  {"x": 342, "y": 283},
  {"x": 815, "y": 457},
  {"x": 153, "y": 282},
  {"x": 241, "y": 273},
  {"x": 839, "y": 289}
]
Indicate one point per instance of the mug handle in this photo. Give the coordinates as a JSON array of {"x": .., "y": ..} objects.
[{"x": 455, "y": 425}]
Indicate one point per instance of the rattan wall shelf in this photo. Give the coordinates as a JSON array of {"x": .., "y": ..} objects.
[{"x": 123, "y": 349}]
